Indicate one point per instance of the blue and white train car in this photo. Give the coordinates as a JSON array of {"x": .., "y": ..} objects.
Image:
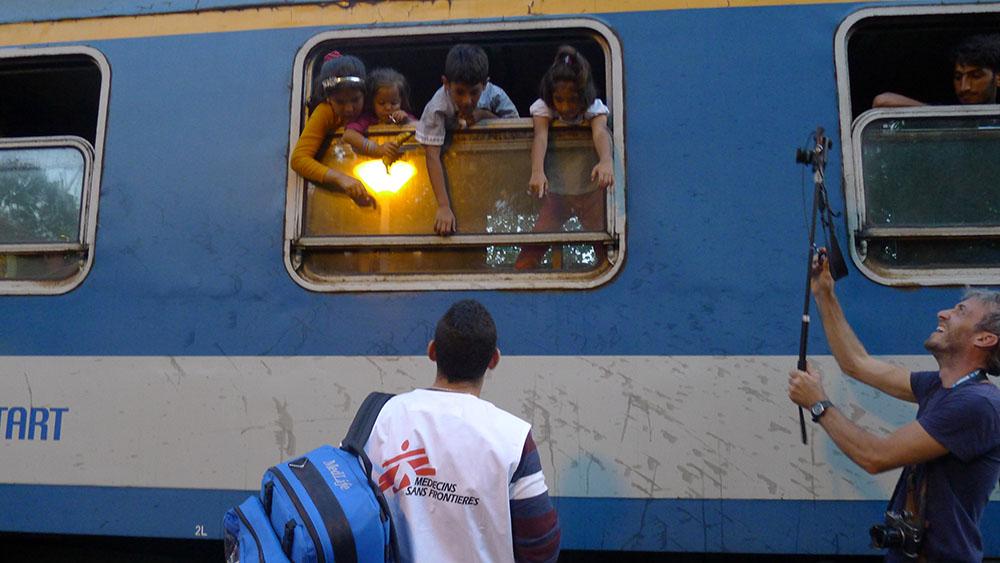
[{"x": 180, "y": 310}]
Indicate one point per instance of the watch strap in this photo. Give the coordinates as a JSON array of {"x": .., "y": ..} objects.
[{"x": 826, "y": 406}]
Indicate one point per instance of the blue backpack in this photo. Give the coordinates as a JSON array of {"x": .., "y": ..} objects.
[{"x": 319, "y": 508}]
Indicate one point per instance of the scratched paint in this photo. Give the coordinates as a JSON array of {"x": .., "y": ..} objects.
[{"x": 695, "y": 427}]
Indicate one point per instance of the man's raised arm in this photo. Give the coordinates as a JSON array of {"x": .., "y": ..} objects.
[{"x": 850, "y": 354}]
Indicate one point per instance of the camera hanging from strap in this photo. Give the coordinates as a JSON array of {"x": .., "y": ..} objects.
[{"x": 905, "y": 530}]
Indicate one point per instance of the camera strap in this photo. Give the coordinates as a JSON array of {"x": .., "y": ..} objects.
[{"x": 916, "y": 500}]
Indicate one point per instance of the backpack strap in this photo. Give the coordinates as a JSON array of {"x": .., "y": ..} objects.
[
  {"x": 354, "y": 442},
  {"x": 364, "y": 421}
]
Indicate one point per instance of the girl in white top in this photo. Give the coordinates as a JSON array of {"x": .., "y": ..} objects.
[{"x": 568, "y": 95}]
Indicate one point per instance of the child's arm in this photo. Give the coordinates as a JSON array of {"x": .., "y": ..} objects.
[
  {"x": 444, "y": 218},
  {"x": 399, "y": 117},
  {"x": 303, "y": 161},
  {"x": 480, "y": 114},
  {"x": 539, "y": 184},
  {"x": 499, "y": 105},
  {"x": 603, "y": 171},
  {"x": 351, "y": 186},
  {"x": 320, "y": 123},
  {"x": 367, "y": 147}
]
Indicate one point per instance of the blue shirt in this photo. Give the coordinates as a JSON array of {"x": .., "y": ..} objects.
[{"x": 965, "y": 420}]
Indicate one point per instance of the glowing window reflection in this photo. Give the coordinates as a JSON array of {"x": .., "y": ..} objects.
[{"x": 381, "y": 181}]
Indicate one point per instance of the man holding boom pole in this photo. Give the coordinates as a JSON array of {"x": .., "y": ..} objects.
[{"x": 950, "y": 453}]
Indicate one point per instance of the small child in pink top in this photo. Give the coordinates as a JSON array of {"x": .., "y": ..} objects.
[
  {"x": 388, "y": 103},
  {"x": 568, "y": 95}
]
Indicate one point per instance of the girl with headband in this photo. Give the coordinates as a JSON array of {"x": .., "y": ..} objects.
[{"x": 338, "y": 98}]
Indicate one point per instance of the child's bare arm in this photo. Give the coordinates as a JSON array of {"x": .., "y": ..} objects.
[
  {"x": 539, "y": 183},
  {"x": 356, "y": 140},
  {"x": 399, "y": 117},
  {"x": 367, "y": 147},
  {"x": 480, "y": 114},
  {"x": 351, "y": 186},
  {"x": 444, "y": 218},
  {"x": 603, "y": 171}
]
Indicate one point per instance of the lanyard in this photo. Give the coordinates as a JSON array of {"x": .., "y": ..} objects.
[{"x": 976, "y": 376}]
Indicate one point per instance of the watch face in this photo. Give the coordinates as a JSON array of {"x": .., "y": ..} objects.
[{"x": 817, "y": 409}]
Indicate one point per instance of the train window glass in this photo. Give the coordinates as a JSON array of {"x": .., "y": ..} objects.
[
  {"x": 42, "y": 188},
  {"x": 922, "y": 183},
  {"x": 931, "y": 190},
  {"x": 335, "y": 245},
  {"x": 41, "y": 191},
  {"x": 51, "y": 120}
]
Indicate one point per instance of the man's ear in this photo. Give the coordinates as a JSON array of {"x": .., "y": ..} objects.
[
  {"x": 493, "y": 360},
  {"x": 432, "y": 352},
  {"x": 986, "y": 340}
]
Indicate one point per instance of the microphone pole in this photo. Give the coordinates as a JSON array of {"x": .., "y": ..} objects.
[{"x": 816, "y": 158}]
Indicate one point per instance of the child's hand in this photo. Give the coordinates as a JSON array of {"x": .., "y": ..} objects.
[
  {"x": 399, "y": 117},
  {"x": 538, "y": 186},
  {"x": 356, "y": 191},
  {"x": 390, "y": 150},
  {"x": 603, "y": 175},
  {"x": 444, "y": 221}
]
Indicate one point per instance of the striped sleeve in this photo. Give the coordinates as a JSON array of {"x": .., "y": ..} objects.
[{"x": 534, "y": 521}]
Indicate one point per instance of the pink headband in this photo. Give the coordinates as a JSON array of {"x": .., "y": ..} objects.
[{"x": 332, "y": 55}]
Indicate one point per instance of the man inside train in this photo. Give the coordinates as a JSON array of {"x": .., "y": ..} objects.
[
  {"x": 950, "y": 453},
  {"x": 976, "y": 74}
]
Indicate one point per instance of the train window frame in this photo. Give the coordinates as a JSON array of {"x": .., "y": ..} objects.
[
  {"x": 295, "y": 241},
  {"x": 851, "y": 129},
  {"x": 93, "y": 155}
]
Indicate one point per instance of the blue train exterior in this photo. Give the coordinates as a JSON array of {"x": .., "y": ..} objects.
[{"x": 188, "y": 359}]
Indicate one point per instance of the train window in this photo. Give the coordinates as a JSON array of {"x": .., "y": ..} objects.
[
  {"x": 334, "y": 245},
  {"x": 921, "y": 182},
  {"x": 51, "y": 121}
]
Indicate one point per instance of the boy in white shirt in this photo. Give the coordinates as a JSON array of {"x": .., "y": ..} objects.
[{"x": 465, "y": 97}]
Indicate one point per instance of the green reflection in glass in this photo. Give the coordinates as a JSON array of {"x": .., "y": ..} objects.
[
  {"x": 934, "y": 253},
  {"x": 932, "y": 171},
  {"x": 40, "y": 195}
]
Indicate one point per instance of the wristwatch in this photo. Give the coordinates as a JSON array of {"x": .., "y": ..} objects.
[{"x": 819, "y": 409}]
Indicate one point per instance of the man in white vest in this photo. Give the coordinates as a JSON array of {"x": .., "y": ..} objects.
[{"x": 462, "y": 477}]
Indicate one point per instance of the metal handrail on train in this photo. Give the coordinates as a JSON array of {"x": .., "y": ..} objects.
[
  {"x": 40, "y": 248},
  {"x": 928, "y": 232},
  {"x": 422, "y": 241}
]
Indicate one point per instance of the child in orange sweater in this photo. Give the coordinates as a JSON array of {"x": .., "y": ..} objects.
[{"x": 338, "y": 99}]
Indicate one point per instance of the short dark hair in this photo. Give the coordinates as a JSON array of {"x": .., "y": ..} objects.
[
  {"x": 467, "y": 64},
  {"x": 979, "y": 50},
  {"x": 569, "y": 66},
  {"x": 465, "y": 340}
]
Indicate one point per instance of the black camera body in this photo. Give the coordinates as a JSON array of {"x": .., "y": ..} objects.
[
  {"x": 804, "y": 156},
  {"x": 900, "y": 531}
]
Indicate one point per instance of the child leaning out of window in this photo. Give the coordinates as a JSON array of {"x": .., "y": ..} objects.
[
  {"x": 568, "y": 95},
  {"x": 338, "y": 99},
  {"x": 388, "y": 104}
]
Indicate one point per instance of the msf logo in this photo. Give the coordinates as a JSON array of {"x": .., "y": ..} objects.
[{"x": 402, "y": 470}]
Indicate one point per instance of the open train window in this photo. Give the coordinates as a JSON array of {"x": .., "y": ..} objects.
[
  {"x": 51, "y": 136},
  {"x": 922, "y": 183},
  {"x": 334, "y": 245}
]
